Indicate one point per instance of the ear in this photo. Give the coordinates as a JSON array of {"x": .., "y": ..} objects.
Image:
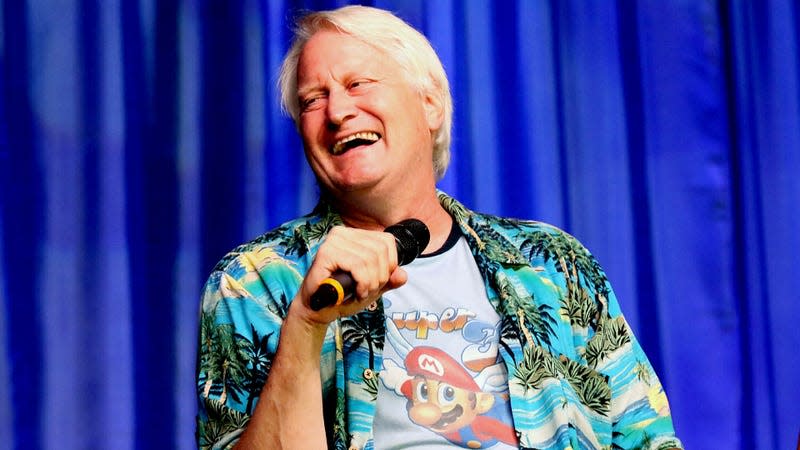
[{"x": 433, "y": 105}]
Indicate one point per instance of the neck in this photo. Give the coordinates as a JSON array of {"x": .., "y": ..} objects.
[{"x": 362, "y": 211}]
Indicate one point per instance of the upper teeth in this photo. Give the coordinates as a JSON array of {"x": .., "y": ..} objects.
[{"x": 366, "y": 135}]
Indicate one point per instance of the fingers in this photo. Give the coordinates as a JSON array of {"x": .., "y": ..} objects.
[{"x": 370, "y": 257}]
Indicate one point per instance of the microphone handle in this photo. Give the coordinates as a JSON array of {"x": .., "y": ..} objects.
[
  {"x": 335, "y": 290},
  {"x": 410, "y": 236}
]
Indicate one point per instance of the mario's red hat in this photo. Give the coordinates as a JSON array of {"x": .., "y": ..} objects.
[{"x": 432, "y": 363}]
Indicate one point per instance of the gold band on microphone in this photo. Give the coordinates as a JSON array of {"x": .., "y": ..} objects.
[{"x": 338, "y": 287}]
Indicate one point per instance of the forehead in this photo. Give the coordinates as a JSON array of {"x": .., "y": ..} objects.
[{"x": 334, "y": 54}]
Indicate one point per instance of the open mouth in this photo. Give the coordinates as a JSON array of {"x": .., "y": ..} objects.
[{"x": 354, "y": 140}]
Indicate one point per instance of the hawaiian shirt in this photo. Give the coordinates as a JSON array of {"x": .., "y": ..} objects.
[{"x": 577, "y": 377}]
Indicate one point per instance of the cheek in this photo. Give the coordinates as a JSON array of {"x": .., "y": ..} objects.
[
  {"x": 305, "y": 134},
  {"x": 313, "y": 142},
  {"x": 311, "y": 128}
]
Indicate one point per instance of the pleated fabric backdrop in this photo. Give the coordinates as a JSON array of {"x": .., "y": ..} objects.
[{"x": 141, "y": 139}]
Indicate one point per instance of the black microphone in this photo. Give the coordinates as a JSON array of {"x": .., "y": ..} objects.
[{"x": 411, "y": 237}]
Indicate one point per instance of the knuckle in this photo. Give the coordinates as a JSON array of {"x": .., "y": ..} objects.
[{"x": 335, "y": 231}]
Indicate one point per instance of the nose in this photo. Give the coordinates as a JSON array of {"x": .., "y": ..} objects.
[
  {"x": 425, "y": 414},
  {"x": 341, "y": 108}
]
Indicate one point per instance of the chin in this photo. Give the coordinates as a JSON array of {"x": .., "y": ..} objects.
[
  {"x": 356, "y": 182},
  {"x": 356, "y": 188}
]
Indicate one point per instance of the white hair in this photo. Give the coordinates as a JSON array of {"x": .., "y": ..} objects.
[{"x": 391, "y": 35}]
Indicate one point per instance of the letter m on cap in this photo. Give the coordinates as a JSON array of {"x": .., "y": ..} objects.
[{"x": 430, "y": 364}]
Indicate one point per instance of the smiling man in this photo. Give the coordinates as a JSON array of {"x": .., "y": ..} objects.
[{"x": 503, "y": 334}]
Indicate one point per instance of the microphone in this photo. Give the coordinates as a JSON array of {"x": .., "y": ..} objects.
[{"x": 411, "y": 237}]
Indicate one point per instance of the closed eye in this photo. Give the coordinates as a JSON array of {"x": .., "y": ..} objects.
[
  {"x": 360, "y": 83},
  {"x": 310, "y": 103}
]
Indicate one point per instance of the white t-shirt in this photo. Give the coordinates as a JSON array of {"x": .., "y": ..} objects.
[{"x": 442, "y": 384}]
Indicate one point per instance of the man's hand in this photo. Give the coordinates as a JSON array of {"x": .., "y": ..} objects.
[{"x": 371, "y": 259}]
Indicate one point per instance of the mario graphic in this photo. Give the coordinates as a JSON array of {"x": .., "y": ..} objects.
[{"x": 443, "y": 397}]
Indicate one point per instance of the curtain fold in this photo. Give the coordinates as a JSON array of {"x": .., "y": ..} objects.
[
  {"x": 140, "y": 140},
  {"x": 23, "y": 226},
  {"x": 765, "y": 89}
]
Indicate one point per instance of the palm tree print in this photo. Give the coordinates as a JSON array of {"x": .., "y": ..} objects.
[
  {"x": 340, "y": 437},
  {"x": 319, "y": 230},
  {"x": 586, "y": 285},
  {"x": 222, "y": 422},
  {"x": 367, "y": 326},
  {"x": 299, "y": 239},
  {"x": 370, "y": 379},
  {"x": 509, "y": 331},
  {"x": 536, "y": 322},
  {"x": 281, "y": 307},
  {"x": 296, "y": 242},
  {"x": 456, "y": 209},
  {"x": 642, "y": 372},
  {"x": 232, "y": 367},
  {"x": 223, "y": 365},
  {"x": 494, "y": 247},
  {"x": 537, "y": 364},
  {"x": 611, "y": 335},
  {"x": 577, "y": 306},
  {"x": 592, "y": 388},
  {"x": 207, "y": 345},
  {"x": 255, "y": 350}
]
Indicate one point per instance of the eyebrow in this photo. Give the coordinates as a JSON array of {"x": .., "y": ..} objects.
[
  {"x": 305, "y": 91},
  {"x": 302, "y": 90}
]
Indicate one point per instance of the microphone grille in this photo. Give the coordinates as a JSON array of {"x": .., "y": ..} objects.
[{"x": 411, "y": 236}]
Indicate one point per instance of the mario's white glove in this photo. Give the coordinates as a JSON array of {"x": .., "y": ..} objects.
[{"x": 393, "y": 376}]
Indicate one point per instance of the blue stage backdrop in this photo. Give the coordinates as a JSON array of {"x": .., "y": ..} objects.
[{"x": 141, "y": 139}]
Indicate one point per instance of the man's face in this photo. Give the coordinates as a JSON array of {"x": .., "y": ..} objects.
[{"x": 364, "y": 127}]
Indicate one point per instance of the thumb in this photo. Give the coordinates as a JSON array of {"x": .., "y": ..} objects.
[{"x": 396, "y": 279}]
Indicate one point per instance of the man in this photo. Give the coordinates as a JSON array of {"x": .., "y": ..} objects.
[{"x": 503, "y": 334}]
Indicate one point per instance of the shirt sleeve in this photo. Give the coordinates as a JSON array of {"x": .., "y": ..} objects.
[
  {"x": 639, "y": 410},
  {"x": 243, "y": 306}
]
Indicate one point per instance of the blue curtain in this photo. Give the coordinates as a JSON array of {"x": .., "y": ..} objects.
[{"x": 141, "y": 139}]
